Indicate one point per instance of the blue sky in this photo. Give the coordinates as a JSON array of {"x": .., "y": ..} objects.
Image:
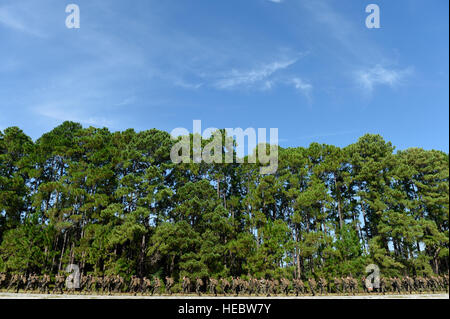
[{"x": 308, "y": 67}]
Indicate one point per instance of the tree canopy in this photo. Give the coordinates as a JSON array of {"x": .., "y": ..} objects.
[{"x": 114, "y": 203}]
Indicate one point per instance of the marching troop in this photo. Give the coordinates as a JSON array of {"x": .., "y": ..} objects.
[{"x": 234, "y": 286}]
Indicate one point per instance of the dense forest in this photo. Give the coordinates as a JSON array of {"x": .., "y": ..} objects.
[{"x": 114, "y": 203}]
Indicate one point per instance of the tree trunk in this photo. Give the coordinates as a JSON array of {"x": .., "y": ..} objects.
[
  {"x": 62, "y": 251},
  {"x": 141, "y": 260},
  {"x": 339, "y": 203},
  {"x": 297, "y": 251},
  {"x": 436, "y": 261}
]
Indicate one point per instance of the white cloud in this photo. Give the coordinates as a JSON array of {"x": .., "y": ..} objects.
[
  {"x": 276, "y": 1},
  {"x": 264, "y": 77},
  {"x": 186, "y": 85},
  {"x": 378, "y": 75},
  {"x": 351, "y": 46},
  {"x": 127, "y": 101},
  {"x": 341, "y": 32},
  {"x": 256, "y": 77},
  {"x": 302, "y": 86},
  {"x": 17, "y": 21}
]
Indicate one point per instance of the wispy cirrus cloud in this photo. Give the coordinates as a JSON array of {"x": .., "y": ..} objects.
[
  {"x": 369, "y": 78},
  {"x": 265, "y": 77},
  {"x": 302, "y": 86},
  {"x": 187, "y": 85},
  {"x": 260, "y": 77},
  {"x": 344, "y": 35},
  {"x": 127, "y": 101},
  {"x": 12, "y": 17},
  {"x": 364, "y": 58}
]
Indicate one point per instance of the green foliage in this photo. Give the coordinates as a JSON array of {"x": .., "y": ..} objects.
[{"x": 114, "y": 203}]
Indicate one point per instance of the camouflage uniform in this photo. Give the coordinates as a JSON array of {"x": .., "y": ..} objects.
[
  {"x": 422, "y": 283},
  {"x": 118, "y": 284},
  {"x": 235, "y": 285},
  {"x": 352, "y": 284},
  {"x": 186, "y": 284},
  {"x": 416, "y": 283},
  {"x": 446, "y": 282},
  {"x": 89, "y": 283},
  {"x": 59, "y": 283},
  {"x": 254, "y": 286},
  {"x": 146, "y": 285},
  {"x": 213, "y": 286},
  {"x": 275, "y": 286},
  {"x": 408, "y": 284},
  {"x": 225, "y": 285},
  {"x": 251, "y": 285},
  {"x": 169, "y": 284},
  {"x": 430, "y": 284},
  {"x": 435, "y": 283},
  {"x": 363, "y": 282},
  {"x": 84, "y": 284},
  {"x": 106, "y": 284},
  {"x": 322, "y": 285},
  {"x": 270, "y": 284},
  {"x": 45, "y": 282},
  {"x": 156, "y": 286},
  {"x": 299, "y": 287},
  {"x": 312, "y": 286},
  {"x": 262, "y": 286},
  {"x": 22, "y": 281},
  {"x": 382, "y": 285},
  {"x": 32, "y": 282},
  {"x": 285, "y": 283},
  {"x": 338, "y": 285},
  {"x": 198, "y": 286},
  {"x": 396, "y": 285},
  {"x": 440, "y": 283},
  {"x": 94, "y": 284},
  {"x": 2, "y": 280},
  {"x": 14, "y": 282},
  {"x": 244, "y": 287},
  {"x": 345, "y": 285},
  {"x": 135, "y": 284}
]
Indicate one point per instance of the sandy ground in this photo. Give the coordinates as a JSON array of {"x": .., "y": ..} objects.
[{"x": 6, "y": 295}]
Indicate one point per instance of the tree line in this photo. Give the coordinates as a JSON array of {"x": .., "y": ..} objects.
[{"x": 115, "y": 204}]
